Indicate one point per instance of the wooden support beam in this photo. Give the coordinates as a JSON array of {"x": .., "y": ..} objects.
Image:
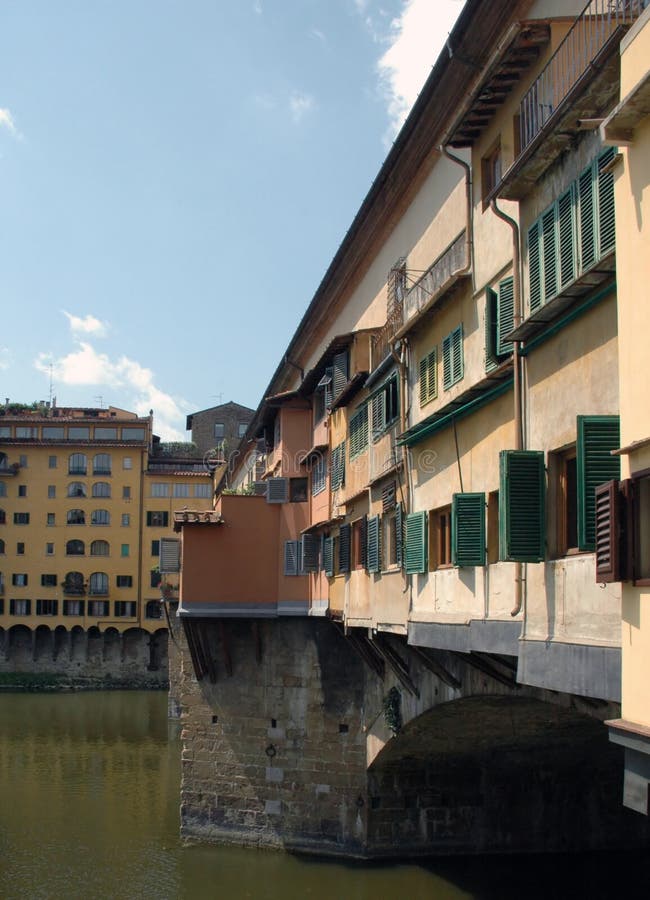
[
  {"x": 427, "y": 659},
  {"x": 397, "y": 664}
]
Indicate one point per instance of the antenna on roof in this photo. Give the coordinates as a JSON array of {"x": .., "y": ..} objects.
[
  {"x": 100, "y": 400},
  {"x": 218, "y": 397},
  {"x": 51, "y": 382}
]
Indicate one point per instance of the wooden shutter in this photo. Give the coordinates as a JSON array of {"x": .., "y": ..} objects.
[
  {"x": 388, "y": 493},
  {"x": 339, "y": 372},
  {"x": 534, "y": 268},
  {"x": 337, "y": 477},
  {"x": 309, "y": 553},
  {"x": 586, "y": 220},
  {"x": 522, "y": 513},
  {"x": 446, "y": 362},
  {"x": 291, "y": 557},
  {"x": 597, "y": 437},
  {"x": 277, "y": 490},
  {"x": 328, "y": 556},
  {"x": 549, "y": 247},
  {"x": 457, "y": 349},
  {"x": 344, "y": 547},
  {"x": 399, "y": 535},
  {"x": 170, "y": 555},
  {"x": 468, "y": 530},
  {"x": 359, "y": 431},
  {"x": 606, "y": 221},
  {"x": 505, "y": 315},
  {"x": 491, "y": 320},
  {"x": 428, "y": 377},
  {"x": 378, "y": 412},
  {"x": 608, "y": 532},
  {"x": 372, "y": 556},
  {"x": 416, "y": 543},
  {"x": 567, "y": 237},
  {"x": 363, "y": 542}
]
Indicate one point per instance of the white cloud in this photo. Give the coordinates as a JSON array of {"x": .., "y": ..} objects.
[
  {"x": 87, "y": 325},
  {"x": 7, "y": 121},
  {"x": 4, "y": 358},
  {"x": 87, "y": 367},
  {"x": 257, "y": 7},
  {"x": 299, "y": 104},
  {"x": 418, "y": 36},
  {"x": 318, "y": 34}
]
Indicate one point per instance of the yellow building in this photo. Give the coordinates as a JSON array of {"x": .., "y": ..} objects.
[{"x": 85, "y": 497}]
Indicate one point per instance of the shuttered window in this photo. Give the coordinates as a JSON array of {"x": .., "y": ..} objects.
[
  {"x": 416, "y": 543},
  {"x": 359, "y": 431},
  {"x": 277, "y": 490},
  {"x": 170, "y": 555},
  {"x": 318, "y": 474},
  {"x": 597, "y": 437},
  {"x": 373, "y": 555},
  {"x": 499, "y": 321},
  {"x": 575, "y": 233},
  {"x": 429, "y": 377},
  {"x": 328, "y": 556},
  {"x": 608, "y": 532},
  {"x": 309, "y": 547},
  {"x": 399, "y": 535},
  {"x": 339, "y": 372},
  {"x": 522, "y": 506},
  {"x": 384, "y": 407},
  {"x": 337, "y": 474},
  {"x": 345, "y": 533},
  {"x": 292, "y": 557},
  {"x": 468, "y": 529},
  {"x": 452, "y": 357}
]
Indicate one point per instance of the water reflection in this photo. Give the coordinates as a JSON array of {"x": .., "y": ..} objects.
[{"x": 89, "y": 788}]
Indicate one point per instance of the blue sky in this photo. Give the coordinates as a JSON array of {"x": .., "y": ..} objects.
[{"x": 175, "y": 177}]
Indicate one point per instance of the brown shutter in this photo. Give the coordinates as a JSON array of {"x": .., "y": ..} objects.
[{"x": 608, "y": 532}]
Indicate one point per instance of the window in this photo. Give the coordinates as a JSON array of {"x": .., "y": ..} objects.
[
  {"x": 126, "y": 520},
  {"x": 51, "y": 491},
  {"x": 98, "y": 608},
  {"x": 337, "y": 474},
  {"x": 20, "y": 548},
  {"x": 51, "y": 462},
  {"x": 22, "y": 490},
  {"x": 452, "y": 358},
  {"x": 153, "y": 610},
  {"x": 181, "y": 490},
  {"x": 124, "y": 551},
  {"x": 318, "y": 474},
  {"x": 219, "y": 430},
  {"x": 23, "y": 431},
  {"x": 133, "y": 434},
  {"x": 75, "y": 548},
  {"x": 468, "y": 529},
  {"x": 76, "y": 489},
  {"x": 73, "y": 583},
  {"x": 101, "y": 489},
  {"x": 373, "y": 544},
  {"x": 155, "y": 548},
  {"x": 126, "y": 492},
  {"x": 49, "y": 549},
  {"x": 19, "y": 579},
  {"x": 155, "y": 577},
  {"x": 297, "y": 490},
  {"x": 2, "y": 547},
  {"x": 358, "y": 431},
  {"x": 48, "y": 580},
  {"x": 597, "y": 437},
  {"x": 77, "y": 433},
  {"x": 125, "y": 609},
  {"x": 100, "y": 517},
  {"x": 429, "y": 377},
  {"x": 499, "y": 321},
  {"x": 100, "y": 548},
  {"x": 53, "y": 433},
  {"x": 46, "y": 607},
  {"x": 160, "y": 489},
  {"x": 3, "y": 489},
  {"x": 490, "y": 172},
  {"x": 339, "y": 373},
  {"x": 359, "y": 544},
  {"x": 76, "y": 517},
  {"x": 292, "y": 558},
  {"x": 51, "y": 519},
  {"x": 22, "y": 460},
  {"x": 323, "y": 395},
  {"x": 384, "y": 407},
  {"x": 21, "y": 518},
  {"x": 344, "y": 547},
  {"x": 20, "y": 607},
  {"x": 391, "y": 539},
  {"x": 440, "y": 538},
  {"x": 124, "y": 581},
  {"x": 522, "y": 501},
  {"x": 563, "y": 473},
  {"x": 493, "y": 527},
  {"x": 203, "y": 491},
  {"x": 158, "y": 518},
  {"x": 309, "y": 553},
  {"x": 73, "y": 607},
  {"x": 641, "y": 538},
  {"x": 127, "y": 462},
  {"x": 102, "y": 464},
  {"x": 241, "y": 429},
  {"x": 77, "y": 464},
  {"x": 573, "y": 234},
  {"x": 3, "y": 517},
  {"x": 105, "y": 434},
  {"x": 98, "y": 584}
]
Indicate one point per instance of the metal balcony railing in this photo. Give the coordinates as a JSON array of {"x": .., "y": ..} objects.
[
  {"x": 597, "y": 24},
  {"x": 380, "y": 345}
]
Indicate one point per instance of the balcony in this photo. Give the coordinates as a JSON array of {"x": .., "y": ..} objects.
[{"x": 579, "y": 82}]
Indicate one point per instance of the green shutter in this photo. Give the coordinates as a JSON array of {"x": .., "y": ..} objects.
[
  {"x": 549, "y": 247},
  {"x": 522, "y": 514},
  {"x": 372, "y": 553},
  {"x": 586, "y": 220},
  {"x": 534, "y": 268},
  {"x": 468, "y": 529},
  {"x": 337, "y": 476},
  {"x": 491, "y": 318},
  {"x": 399, "y": 535},
  {"x": 428, "y": 377},
  {"x": 597, "y": 437},
  {"x": 416, "y": 543},
  {"x": 344, "y": 548},
  {"x": 378, "y": 413},
  {"x": 567, "y": 233},
  {"x": 458, "y": 368},
  {"x": 606, "y": 222},
  {"x": 328, "y": 556},
  {"x": 452, "y": 357},
  {"x": 505, "y": 315},
  {"x": 359, "y": 431}
]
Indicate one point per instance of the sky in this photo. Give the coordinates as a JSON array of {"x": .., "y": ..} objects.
[{"x": 175, "y": 178}]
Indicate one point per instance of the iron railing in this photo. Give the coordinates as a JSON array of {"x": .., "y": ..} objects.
[
  {"x": 439, "y": 274},
  {"x": 598, "y": 22}
]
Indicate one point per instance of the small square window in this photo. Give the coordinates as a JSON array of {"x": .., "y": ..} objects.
[
  {"x": 20, "y": 549},
  {"x": 51, "y": 491},
  {"x": 126, "y": 520},
  {"x": 219, "y": 429},
  {"x": 49, "y": 549},
  {"x": 126, "y": 492},
  {"x": 22, "y": 490},
  {"x": 51, "y": 462},
  {"x": 491, "y": 166},
  {"x": 298, "y": 490},
  {"x": 125, "y": 550},
  {"x": 51, "y": 519}
]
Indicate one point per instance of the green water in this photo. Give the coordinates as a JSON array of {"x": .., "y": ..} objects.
[{"x": 89, "y": 792}]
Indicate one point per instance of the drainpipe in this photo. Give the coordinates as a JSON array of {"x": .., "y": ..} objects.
[
  {"x": 468, "y": 205},
  {"x": 401, "y": 361},
  {"x": 516, "y": 360}
]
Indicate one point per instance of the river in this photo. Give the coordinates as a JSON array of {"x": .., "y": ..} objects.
[{"x": 89, "y": 793}]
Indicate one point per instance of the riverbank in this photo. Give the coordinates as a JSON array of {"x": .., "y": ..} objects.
[{"x": 49, "y": 682}]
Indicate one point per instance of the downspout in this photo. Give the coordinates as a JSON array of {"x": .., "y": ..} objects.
[
  {"x": 516, "y": 360},
  {"x": 468, "y": 206}
]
